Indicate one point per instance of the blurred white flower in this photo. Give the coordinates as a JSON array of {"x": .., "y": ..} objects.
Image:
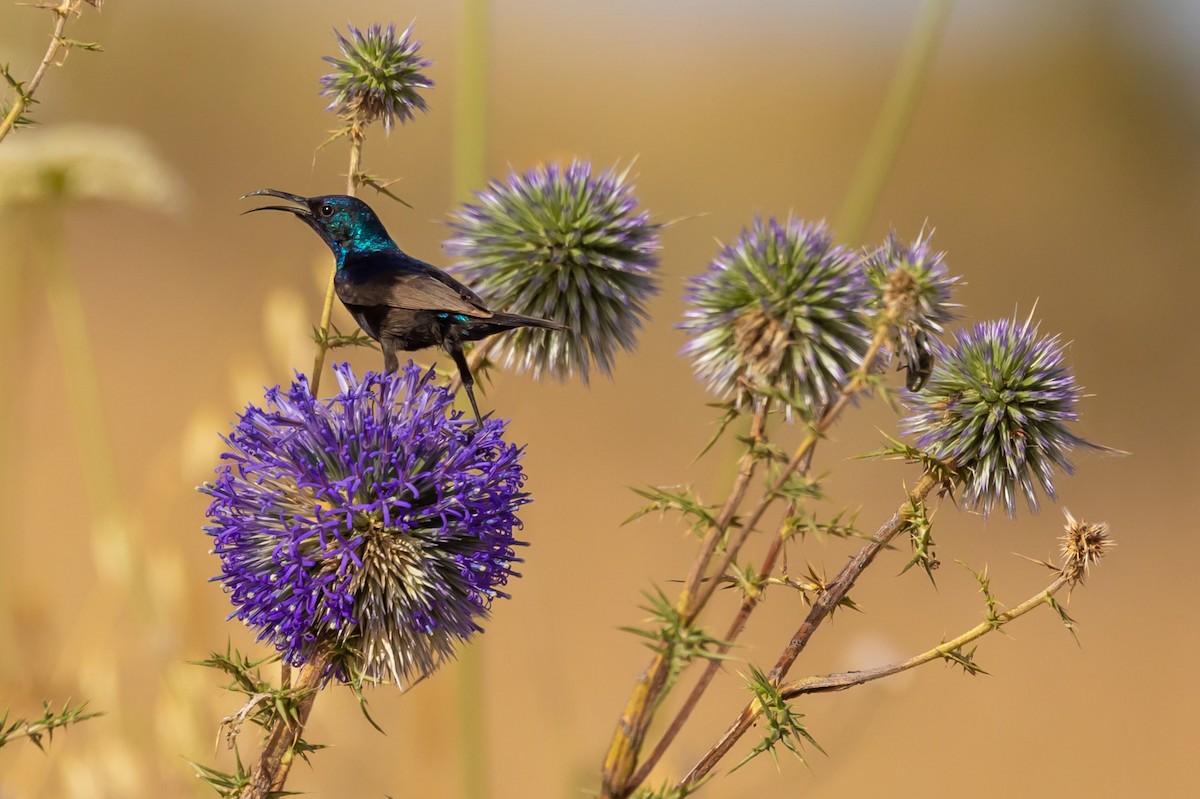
[{"x": 86, "y": 162}]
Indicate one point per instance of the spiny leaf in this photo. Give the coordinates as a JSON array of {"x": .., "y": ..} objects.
[
  {"x": 731, "y": 413},
  {"x": 782, "y": 723},
  {"x": 36, "y": 728},
  {"x": 920, "y": 532},
  {"x": 966, "y": 660},
  {"x": 1067, "y": 621}
]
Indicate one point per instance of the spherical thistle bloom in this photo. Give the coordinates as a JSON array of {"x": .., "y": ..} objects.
[
  {"x": 996, "y": 409},
  {"x": 912, "y": 286},
  {"x": 779, "y": 312},
  {"x": 374, "y": 528},
  {"x": 564, "y": 244},
  {"x": 379, "y": 76}
]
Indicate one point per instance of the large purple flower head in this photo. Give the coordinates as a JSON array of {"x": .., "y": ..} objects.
[
  {"x": 379, "y": 76},
  {"x": 779, "y": 312},
  {"x": 563, "y": 244},
  {"x": 376, "y": 526},
  {"x": 996, "y": 408}
]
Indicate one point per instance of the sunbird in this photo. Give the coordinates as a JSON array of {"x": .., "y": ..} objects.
[{"x": 400, "y": 301}]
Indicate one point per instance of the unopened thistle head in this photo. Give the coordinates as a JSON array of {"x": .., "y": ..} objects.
[
  {"x": 379, "y": 76},
  {"x": 779, "y": 312},
  {"x": 375, "y": 527},
  {"x": 562, "y": 244},
  {"x": 996, "y": 408},
  {"x": 912, "y": 286}
]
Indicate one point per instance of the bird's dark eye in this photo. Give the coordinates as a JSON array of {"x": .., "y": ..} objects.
[{"x": 326, "y": 210}]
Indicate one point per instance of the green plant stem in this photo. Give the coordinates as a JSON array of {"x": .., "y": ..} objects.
[
  {"x": 114, "y": 552},
  {"x": 849, "y": 679},
  {"x": 894, "y": 118},
  {"x": 470, "y": 140},
  {"x": 353, "y": 181},
  {"x": 24, "y": 94}
]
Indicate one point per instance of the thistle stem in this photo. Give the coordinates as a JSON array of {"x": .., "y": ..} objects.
[
  {"x": 353, "y": 181},
  {"x": 802, "y": 459},
  {"x": 829, "y": 599},
  {"x": 843, "y": 680},
  {"x": 894, "y": 118},
  {"x": 849, "y": 679},
  {"x": 24, "y": 95},
  {"x": 278, "y": 753},
  {"x": 622, "y": 755}
]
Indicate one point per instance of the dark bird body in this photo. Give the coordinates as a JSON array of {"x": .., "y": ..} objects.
[{"x": 400, "y": 301}]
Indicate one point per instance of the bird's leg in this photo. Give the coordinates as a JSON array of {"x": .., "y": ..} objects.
[
  {"x": 464, "y": 372},
  {"x": 391, "y": 362}
]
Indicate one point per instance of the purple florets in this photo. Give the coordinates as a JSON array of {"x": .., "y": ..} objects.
[
  {"x": 377, "y": 526},
  {"x": 996, "y": 409}
]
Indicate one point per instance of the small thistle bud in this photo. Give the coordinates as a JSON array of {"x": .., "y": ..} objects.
[
  {"x": 566, "y": 245},
  {"x": 779, "y": 312},
  {"x": 913, "y": 287},
  {"x": 376, "y": 527},
  {"x": 1084, "y": 544},
  {"x": 379, "y": 76},
  {"x": 996, "y": 409}
]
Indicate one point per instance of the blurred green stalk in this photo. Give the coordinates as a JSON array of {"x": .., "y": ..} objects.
[
  {"x": 470, "y": 121},
  {"x": 110, "y": 537},
  {"x": 880, "y": 154}
]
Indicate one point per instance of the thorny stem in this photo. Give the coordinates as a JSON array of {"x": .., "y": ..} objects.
[
  {"x": 849, "y": 679},
  {"x": 24, "y": 95},
  {"x": 635, "y": 720},
  {"x": 278, "y": 752},
  {"x": 353, "y": 180},
  {"x": 829, "y": 599},
  {"x": 751, "y": 600},
  {"x": 843, "y": 680}
]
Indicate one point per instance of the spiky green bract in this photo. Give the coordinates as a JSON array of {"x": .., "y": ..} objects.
[
  {"x": 375, "y": 528},
  {"x": 996, "y": 409},
  {"x": 779, "y": 313},
  {"x": 561, "y": 244},
  {"x": 379, "y": 76},
  {"x": 912, "y": 284}
]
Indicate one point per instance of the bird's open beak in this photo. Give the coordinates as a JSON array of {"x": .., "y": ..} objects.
[{"x": 302, "y": 211}]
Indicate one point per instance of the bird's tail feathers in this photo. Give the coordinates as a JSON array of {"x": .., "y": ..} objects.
[
  {"x": 509, "y": 320},
  {"x": 500, "y": 322}
]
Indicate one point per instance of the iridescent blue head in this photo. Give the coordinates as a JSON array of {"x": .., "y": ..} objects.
[{"x": 346, "y": 224}]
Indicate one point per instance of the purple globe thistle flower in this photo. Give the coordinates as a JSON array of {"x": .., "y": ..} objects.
[
  {"x": 379, "y": 76},
  {"x": 996, "y": 409},
  {"x": 912, "y": 286},
  {"x": 779, "y": 312},
  {"x": 562, "y": 244},
  {"x": 376, "y": 526}
]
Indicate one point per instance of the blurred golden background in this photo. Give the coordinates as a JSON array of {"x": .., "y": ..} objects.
[{"x": 1054, "y": 149}]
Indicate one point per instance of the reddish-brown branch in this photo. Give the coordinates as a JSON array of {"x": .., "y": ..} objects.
[
  {"x": 829, "y": 599},
  {"x": 278, "y": 753}
]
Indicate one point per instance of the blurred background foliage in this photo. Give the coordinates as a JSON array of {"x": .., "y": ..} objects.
[{"x": 1055, "y": 151}]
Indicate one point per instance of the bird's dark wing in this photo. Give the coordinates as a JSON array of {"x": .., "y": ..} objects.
[{"x": 398, "y": 281}]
